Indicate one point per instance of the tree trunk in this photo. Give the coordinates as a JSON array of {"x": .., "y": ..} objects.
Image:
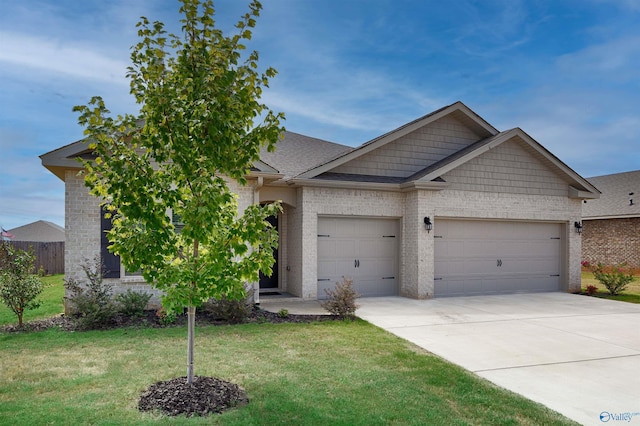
[{"x": 191, "y": 325}]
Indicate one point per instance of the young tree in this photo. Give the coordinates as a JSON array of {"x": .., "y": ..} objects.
[
  {"x": 19, "y": 286},
  {"x": 201, "y": 126}
]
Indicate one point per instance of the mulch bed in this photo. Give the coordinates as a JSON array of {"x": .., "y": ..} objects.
[
  {"x": 206, "y": 395},
  {"x": 151, "y": 319}
]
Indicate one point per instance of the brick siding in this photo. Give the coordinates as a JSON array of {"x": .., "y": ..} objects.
[{"x": 612, "y": 241}]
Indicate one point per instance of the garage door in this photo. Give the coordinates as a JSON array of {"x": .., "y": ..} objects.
[
  {"x": 486, "y": 257},
  {"x": 363, "y": 249}
]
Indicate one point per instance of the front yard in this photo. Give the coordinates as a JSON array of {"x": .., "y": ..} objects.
[{"x": 319, "y": 373}]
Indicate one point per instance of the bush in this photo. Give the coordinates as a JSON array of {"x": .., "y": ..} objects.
[
  {"x": 132, "y": 303},
  {"x": 342, "y": 300},
  {"x": 233, "y": 311},
  {"x": 283, "y": 313},
  {"x": 614, "y": 278},
  {"x": 591, "y": 290},
  {"x": 166, "y": 317},
  {"x": 19, "y": 287},
  {"x": 91, "y": 302}
]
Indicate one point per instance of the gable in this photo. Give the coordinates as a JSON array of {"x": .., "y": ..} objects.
[
  {"x": 414, "y": 151},
  {"x": 512, "y": 167}
]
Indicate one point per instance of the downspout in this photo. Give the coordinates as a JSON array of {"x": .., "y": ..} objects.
[{"x": 256, "y": 200}]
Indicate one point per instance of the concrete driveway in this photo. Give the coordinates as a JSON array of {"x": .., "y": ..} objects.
[{"x": 575, "y": 354}]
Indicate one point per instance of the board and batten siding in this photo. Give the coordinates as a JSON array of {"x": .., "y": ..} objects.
[{"x": 413, "y": 152}]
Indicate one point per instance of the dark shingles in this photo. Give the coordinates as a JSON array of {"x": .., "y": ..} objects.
[{"x": 617, "y": 191}]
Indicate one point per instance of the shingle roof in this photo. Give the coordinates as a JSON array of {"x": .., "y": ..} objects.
[
  {"x": 617, "y": 191},
  {"x": 296, "y": 153},
  {"x": 40, "y": 230}
]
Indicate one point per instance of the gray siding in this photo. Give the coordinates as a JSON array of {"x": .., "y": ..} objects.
[
  {"x": 510, "y": 168},
  {"x": 413, "y": 152}
]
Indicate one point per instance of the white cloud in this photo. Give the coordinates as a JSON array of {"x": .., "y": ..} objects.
[{"x": 53, "y": 56}]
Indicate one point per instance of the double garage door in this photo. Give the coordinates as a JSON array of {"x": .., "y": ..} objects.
[
  {"x": 486, "y": 257},
  {"x": 362, "y": 249}
]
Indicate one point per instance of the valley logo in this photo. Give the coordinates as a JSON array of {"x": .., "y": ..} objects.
[{"x": 606, "y": 416}]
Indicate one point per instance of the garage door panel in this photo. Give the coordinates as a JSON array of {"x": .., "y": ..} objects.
[
  {"x": 490, "y": 257},
  {"x": 363, "y": 249}
]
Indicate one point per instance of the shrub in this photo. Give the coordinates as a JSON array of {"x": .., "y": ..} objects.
[
  {"x": 591, "y": 289},
  {"x": 166, "y": 317},
  {"x": 19, "y": 287},
  {"x": 233, "y": 311},
  {"x": 283, "y": 313},
  {"x": 341, "y": 301},
  {"x": 614, "y": 278},
  {"x": 132, "y": 303},
  {"x": 91, "y": 302}
]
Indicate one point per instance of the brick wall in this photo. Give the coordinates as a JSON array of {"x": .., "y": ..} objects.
[
  {"x": 82, "y": 224},
  {"x": 416, "y": 247},
  {"x": 612, "y": 241}
]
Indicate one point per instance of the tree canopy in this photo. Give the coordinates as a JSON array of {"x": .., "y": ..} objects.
[{"x": 200, "y": 128}]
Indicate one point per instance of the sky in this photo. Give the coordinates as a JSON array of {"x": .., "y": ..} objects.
[{"x": 565, "y": 71}]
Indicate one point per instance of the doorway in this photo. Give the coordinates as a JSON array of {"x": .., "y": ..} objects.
[{"x": 271, "y": 282}]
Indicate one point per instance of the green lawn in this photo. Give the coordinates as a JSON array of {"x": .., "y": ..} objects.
[
  {"x": 325, "y": 373},
  {"x": 631, "y": 294},
  {"x": 51, "y": 305},
  {"x": 309, "y": 374}
]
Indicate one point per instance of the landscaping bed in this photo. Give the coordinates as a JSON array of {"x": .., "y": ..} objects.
[{"x": 150, "y": 318}]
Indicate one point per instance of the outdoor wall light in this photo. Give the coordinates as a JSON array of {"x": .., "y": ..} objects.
[
  {"x": 427, "y": 224},
  {"x": 578, "y": 227}
]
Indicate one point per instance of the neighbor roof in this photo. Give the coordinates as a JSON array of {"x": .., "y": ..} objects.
[
  {"x": 41, "y": 230},
  {"x": 620, "y": 196}
]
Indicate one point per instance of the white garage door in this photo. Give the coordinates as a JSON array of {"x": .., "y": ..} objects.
[
  {"x": 363, "y": 249},
  {"x": 486, "y": 257}
]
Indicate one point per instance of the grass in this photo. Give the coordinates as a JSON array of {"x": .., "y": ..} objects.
[
  {"x": 313, "y": 374},
  {"x": 51, "y": 305},
  {"x": 325, "y": 373},
  {"x": 630, "y": 295}
]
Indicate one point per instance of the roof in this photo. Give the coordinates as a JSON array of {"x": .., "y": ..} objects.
[
  {"x": 457, "y": 109},
  {"x": 296, "y": 153},
  {"x": 304, "y": 160},
  {"x": 41, "y": 231},
  {"x": 431, "y": 175},
  {"x": 620, "y": 196}
]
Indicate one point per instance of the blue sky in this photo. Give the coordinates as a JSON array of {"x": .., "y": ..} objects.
[{"x": 565, "y": 71}]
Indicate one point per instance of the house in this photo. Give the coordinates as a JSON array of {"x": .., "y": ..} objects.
[
  {"x": 46, "y": 240},
  {"x": 445, "y": 205},
  {"x": 40, "y": 231},
  {"x": 611, "y": 224}
]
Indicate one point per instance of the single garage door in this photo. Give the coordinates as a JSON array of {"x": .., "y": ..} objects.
[
  {"x": 487, "y": 257},
  {"x": 363, "y": 249}
]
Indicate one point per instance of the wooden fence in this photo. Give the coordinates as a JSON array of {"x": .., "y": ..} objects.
[{"x": 49, "y": 256}]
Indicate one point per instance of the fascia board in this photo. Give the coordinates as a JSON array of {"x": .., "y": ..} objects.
[{"x": 373, "y": 186}]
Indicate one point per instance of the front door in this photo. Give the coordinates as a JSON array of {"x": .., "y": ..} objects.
[{"x": 271, "y": 281}]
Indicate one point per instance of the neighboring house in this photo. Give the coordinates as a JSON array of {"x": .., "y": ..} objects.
[
  {"x": 39, "y": 231},
  {"x": 46, "y": 239},
  {"x": 611, "y": 224},
  {"x": 445, "y": 205}
]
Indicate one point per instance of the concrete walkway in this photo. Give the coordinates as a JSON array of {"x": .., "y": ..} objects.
[{"x": 575, "y": 354}]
